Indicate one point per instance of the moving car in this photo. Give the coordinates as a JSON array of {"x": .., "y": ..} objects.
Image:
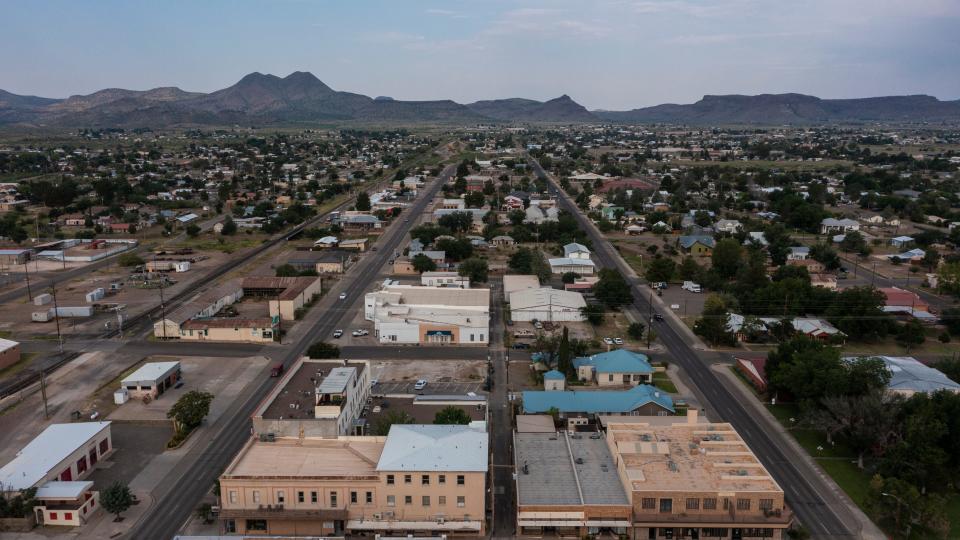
[
  {"x": 276, "y": 370},
  {"x": 343, "y": 296},
  {"x": 358, "y": 333},
  {"x": 521, "y": 346},
  {"x": 337, "y": 333},
  {"x": 657, "y": 317},
  {"x": 420, "y": 384}
]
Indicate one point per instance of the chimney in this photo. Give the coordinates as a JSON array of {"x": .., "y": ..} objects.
[{"x": 692, "y": 415}]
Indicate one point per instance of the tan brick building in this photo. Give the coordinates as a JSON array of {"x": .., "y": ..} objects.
[{"x": 420, "y": 479}]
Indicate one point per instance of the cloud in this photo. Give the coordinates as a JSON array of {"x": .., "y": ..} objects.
[
  {"x": 715, "y": 39},
  {"x": 446, "y": 13},
  {"x": 545, "y": 21}
]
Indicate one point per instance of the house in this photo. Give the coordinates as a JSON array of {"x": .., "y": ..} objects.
[
  {"x": 909, "y": 376},
  {"x": 14, "y": 256},
  {"x": 574, "y": 250},
  {"x": 842, "y": 226},
  {"x": 444, "y": 279},
  {"x": 285, "y": 294},
  {"x": 546, "y": 304},
  {"x": 429, "y": 315},
  {"x": 326, "y": 242},
  {"x": 808, "y": 326},
  {"x": 360, "y": 486},
  {"x": 754, "y": 370},
  {"x": 354, "y": 221},
  {"x": 538, "y": 215},
  {"x": 151, "y": 380},
  {"x": 611, "y": 212},
  {"x": 700, "y": 245},
  {"x": 615, "y": 368},
  {"x": 503, "y": 241},
  {"x": 913, "y": 255},
  {"x": 901, "y": 242},
  {"x": 827, "y": 281},
  {"x": 553, "y": 380},
  {"x": 454, "y": 204},
  {"x": 9, "y": 353},
  {"x": 564, "y": 265},
  {"x": 812, "y": 266},
  {"x": 897, "y": 297},
  {"x": 798, "y": 253},
  {"x": 642, "y": 400},
  {"x": 756, "y": 238},
  {"x": 359, "y": 244},
  {"x": 728, "y": 226}
]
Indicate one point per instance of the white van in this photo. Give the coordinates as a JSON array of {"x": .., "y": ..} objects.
[{"x": 691, "y": 286}]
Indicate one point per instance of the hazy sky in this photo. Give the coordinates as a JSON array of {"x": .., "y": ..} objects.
[{"x": 613, "y": 54}]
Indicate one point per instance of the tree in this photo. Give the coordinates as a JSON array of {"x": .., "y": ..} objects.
[
  {"x": 116, "y": 499},
  {"x": 322, "y": 349},
  {"x": 689, "y": 269},
  {"x": 229, "y": 227},
  {"x": 635, "y": 330},
  {"x": 363, "y": 201},
  {"x": 287, "y": 270},
  {"x": 564, "y": 354},
  {"x": 825, "y": 255},
  {"x": 612, "y": 290},
  {"x": 712, "y": 325},
  {"x": 456, "y": 221},
  {"x": 381, "y": 427},
  {"x": 853, "y": 242},
  {"x": 569, "y": 277},
  {"x": 911, "y": 334},
  {"x": 863, "y": 421},
  {"x": 190, "y": 410},
  {"x": 456, "y": 249},
  {"x": 895, "y": 503},
  {"x": 660, "y": 269},
  {"x": 520, "y": 262},
  {"x": 476, "y": 269},
  {"x": 593, "y": 312},
  {"x": 727, "y": 257},
  {"x": 422, "y": 263},
  {"x": 474, "y": 199},
  {"x": 451, "y": 415},
  {"x": 193, "y": 230},
  {"x": 19, "y": 506},
  {"x": 129, "y": 259},
  {"x": 858, "y": 312}
]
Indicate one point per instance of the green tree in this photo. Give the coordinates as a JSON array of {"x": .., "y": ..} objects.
[
  {"x": 712, "y": 324},
  {"x": 863, "y": 421},
  {"x": 129, "y": 259},
  {"x": 116, "y": 499},
  {"x": 612, "y": 290},
  {"x": 190, "y": 410},
  {"x": 727, "y": 258},
  {"x": 689, "y": 270},
  {"x": 858, "y": 312},
  {"x": 422, "y": 263},
  {"x": 322, "y": 349},
  {"x": 564, "y": 354},
  {"x": 381, "y": 427},
  {"x": 825, "y": 255},
  {"x": 853, "y": 242},
  {"x": 635, "y": 330},
  {"x": 451, "y": 415},
  {"x": 229, "y": 227},
  {"x": 287, "y": 270},
  {"x": 569, "y": 277},
  {"x": 899, "y": 506},
  {"x": 521, "y": 261},
  {"x": 363, "y": 201},
  {"x": 911, "y": 334},
  {"x": 476, "y": 269},
  {"x": 593, "y": 312},
  {"x": 193, "y": 230},
  {"x": 660, "y": 269}
]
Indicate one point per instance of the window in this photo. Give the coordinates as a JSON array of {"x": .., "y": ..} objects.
[
  {"x": 442, "y": 479},
  {"x": 280, "y": 497},
  {"x": 333, "y": 499},
  {"x": 407, "y": 478},
  {"x": 369, "y": 497},
  {"x": 53, "y": 516},
  {"x": 300, "y": 496},
  {"x": 233, "y": 496},
  {"x": 256, "y": 525},
  {"x": 610, "y": 377},
  {"x": 710, "y": 504},
  {"x": 758, "y": 533},
  {"x": 693, "y": 504},
  {"x": 461, "y": 480},
  {"x": 726, "y": 505},
  {"x": 714, "y": 532},
  {"x": 390, "y": 481},
  {"x": 104, "y": 446},
  {"x": 68, "y": 516},
  {"x": 743, "y": 504},
  {"x": 313, "y": 497},
  {"x": 766, "y": 504},
  {"x": 230, "y": 526},
  {"x": 648, "y": 503},
  {"x": 461, "y": 501},
  {"x": 391, "y": 500},
  {"x": 256, "y": 496},
  {"x": 425, "y": 500},
  {"x": 666, "y": 506},
  {"x": 442, "y": 500},
  {"x": 408, "y": 499},
  {"x": 353, "y": 497},
  {"x": 425, "y": 480}
]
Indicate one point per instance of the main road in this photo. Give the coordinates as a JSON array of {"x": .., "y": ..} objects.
[
  {"x": 178, "y": 494},
  {"x": 817, "y": 507}
]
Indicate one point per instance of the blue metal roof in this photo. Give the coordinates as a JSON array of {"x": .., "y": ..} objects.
[
  {"x": 596, "y": 401},
  {"x": 616, "y": 361},
  {"x": 688, "y": 241},
  {"x": 553, "y": 375}
]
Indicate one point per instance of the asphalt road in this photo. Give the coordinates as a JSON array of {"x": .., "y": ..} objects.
[
  {"x": 811, "y": 498},
  {"x": 501, "y": 428},
  {"x": 196, "y": 473}
]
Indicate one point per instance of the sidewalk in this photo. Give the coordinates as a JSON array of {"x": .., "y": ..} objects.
[{"x": 868, "y": 531}]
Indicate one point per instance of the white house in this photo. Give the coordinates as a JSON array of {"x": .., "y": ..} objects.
[{"x": 833, "y": 225}]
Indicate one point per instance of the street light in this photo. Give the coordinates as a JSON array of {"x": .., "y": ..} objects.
[{"x": 899, "y": 504}]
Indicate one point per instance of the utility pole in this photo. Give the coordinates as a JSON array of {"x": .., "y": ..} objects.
[
  {"x": 43, "y": 394},
  {"x": 26, "y": 272},
  {"x": 163, "y": 307},
  {"x": 279, "y": 322},
  {"x": 56, "y": 317},
  {"x": 650, "y": 319}
]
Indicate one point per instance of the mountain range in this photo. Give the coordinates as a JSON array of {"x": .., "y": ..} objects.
[{"x": 300, "y": 97}]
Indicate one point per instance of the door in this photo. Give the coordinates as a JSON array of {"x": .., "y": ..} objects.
[{"x": 93, "y": 456}]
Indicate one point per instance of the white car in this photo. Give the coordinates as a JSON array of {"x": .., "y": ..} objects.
[
  {"x": 608, "y": 341},
  {"x": 618, "y": 341},
  {"x": 420, "y": 384},
  {"x": 337, "y": 333},
  {"x": 358, "y": 333},
  {"x": 343, "y": 296}
]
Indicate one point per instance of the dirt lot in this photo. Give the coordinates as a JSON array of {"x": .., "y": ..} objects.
[{"x": 431, "y": 370}]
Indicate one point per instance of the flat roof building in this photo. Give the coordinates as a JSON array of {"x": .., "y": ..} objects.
[
  {"x": 9, "y": 353},
  {"x": 547, "y": 304},
  {"x": 151, "y": 379},
  {"x": 429, "y": 315},
  {"x": 518, "y": 282}
]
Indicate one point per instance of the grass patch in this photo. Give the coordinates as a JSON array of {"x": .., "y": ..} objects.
[
  {"x": 226, "y": 244},
  {"x": 662, "y": 381},
  {"x": 18, "y": 366}
]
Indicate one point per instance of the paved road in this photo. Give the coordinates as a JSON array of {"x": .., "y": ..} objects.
[
  {"x": 501, "y": 427},
  {"x": 196, "y": 473},
  {"x": 811, "y": 498}
]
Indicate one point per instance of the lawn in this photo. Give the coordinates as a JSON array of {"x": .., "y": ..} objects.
[{"x": 662, "y": 381}]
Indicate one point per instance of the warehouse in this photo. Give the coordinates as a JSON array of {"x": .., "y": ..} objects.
[
  {"x": 9, "y": 353},
  {"x": 61, "y": 453},
  {"x": 546, "y": 304},
  {"x": 152, "y": 379},
  {"x": 286, "y": 294},
  {"x": 429, "y": 315}
]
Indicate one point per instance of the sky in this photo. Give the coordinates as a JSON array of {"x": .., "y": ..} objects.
[{"x": 605, "y": 54}]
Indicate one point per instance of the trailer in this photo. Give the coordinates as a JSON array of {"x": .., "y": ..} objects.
[
  {"x": 42, "y": 316},
  {"x": 42, "y": 299},
  {"x": 74, "y": 311},
  {"x": 96, "y": 294}
]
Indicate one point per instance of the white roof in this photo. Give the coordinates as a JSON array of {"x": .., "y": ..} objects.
[
  {"x": 566, "y": 261},
  {"x": 907, "y": 374},
  {"x": 336, "y": 381},
  {"x": 428, "y": 447},
  {"x": 151, "y": 371},
  {"x": 6, "y": 344},
  {"x": 63, "y": 490},
  {"x": 546, "y": 298},
  {"x": 38, "y": 458}
]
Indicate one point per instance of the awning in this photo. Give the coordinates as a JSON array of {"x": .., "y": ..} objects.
[{"x": 439, "y": 333}]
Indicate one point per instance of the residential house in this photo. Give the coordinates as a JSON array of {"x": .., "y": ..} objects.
[
  {"x": 615, "y": 368},
  {"x": 699, "y": 245},
  {"x": 838, "y": 226}
]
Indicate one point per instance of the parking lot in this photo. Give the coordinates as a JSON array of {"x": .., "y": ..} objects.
[
  {"x": 689, "y": 305},
  {"x": 393, "y": 388}
]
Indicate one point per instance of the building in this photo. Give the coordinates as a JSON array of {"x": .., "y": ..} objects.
[
  {"x": 56, "y": 462},
  {"x": 316, "y": 398},
  {"x": 420, "y": 479},
  {"x": 567, "y": 484},
  {"x": 286, "y": 294},
  {"x": 205, "y": 306},
  {"x": 503, "y": 241},
  {"x": 574, "y": 250},
  {"x": 151, "y": 380},
  {"x": 239, "y": 329},
  {"x": 358, "y": 244},
  {"x": 699, "y": 245},
  {"x": 902, "y": 298},
  {"x": 354, "y": 221},
  {"x": 619, "y": 367},
  {"x": 909, "y": 376},
  {"x": 429, "y": 315},
  {"x": 546, "y": 304},
  {"x": 690, "y": 479},
  {"x": 798, "y": 253},
  {"x": 554, "y": 380},
  {"x": 728, "y": 226},
  {"x": 642, "y": 400},
  {"x": 754, "y": 370},
  {"x": 812, "y": 266},
  {"x": 14, "y": 256},
  {"x": 322, "y": 261},
  {"x": 838, "y": 226},
  {"x": 827, "y": 281},
  {"x": 444, "y": 279},
  {"x": 9, "y": 353},
  {"x": 563, "y": 265},
  {"x": 902, "y": 242},
  {"x": 516, "y": 282}
]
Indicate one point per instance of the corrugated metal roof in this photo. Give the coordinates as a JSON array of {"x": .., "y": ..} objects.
[
  {"x": 907, "y": 374},
  {"x": 599, "y": 401},
  {"x": 616, "y": 361},
  {"x": 434, "y": 448},
  {"x": 46, "y": 451}
]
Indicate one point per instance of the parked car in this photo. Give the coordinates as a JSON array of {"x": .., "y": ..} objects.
[
  {"x": 657, "y": 317},
  {"x": 618, "y": 341},
  {"x": 337, "y": 333},
  {"x": 361, "y": 332},
  {"x": 420, "y": 384},
  {"x": 343, "y": 296},
  {"x": 607, "y": 341},
  {"x": 691, "y": 286},
  {"x": 521, "y": 346},
  {"x": 523, "y": 334},
  {"x": 276, "y": 370},
  {"x": 658, "y": 285},
  {"x": 538, "y": 325}
]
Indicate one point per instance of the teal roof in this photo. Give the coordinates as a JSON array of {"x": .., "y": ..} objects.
[
  {"x": 616, "y": 361},
  {"x": 595, "y": 401},
  {"x": 688, "y": 241},
  {"x": 553, "y": 375}
]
